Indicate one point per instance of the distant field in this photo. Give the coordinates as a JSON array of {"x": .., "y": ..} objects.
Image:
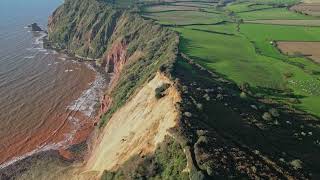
[
  {"x": 315, "y": 22},
  {"x": 227, "y": 28},
  {"x": 194, "y": 4},
  {"x": 262, "y": 35},
  {"x": 287, "y": 2},
  {"x": 185, "y": 17},
  {"x": 246, "y": 6},
  {"x": 159, "y": 8},
  {"x": 247, "y": 53},
  {"x": 309, "y": 49},
  {"x": 311, "y": 1},
  {"x": 275, "y": 13},
  {"x": 308, "y": 8}
]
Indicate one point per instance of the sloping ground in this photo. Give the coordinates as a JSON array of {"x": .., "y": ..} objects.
[
  {"x": 137, "y": 127},
  {"x": 134, "y": 130}
]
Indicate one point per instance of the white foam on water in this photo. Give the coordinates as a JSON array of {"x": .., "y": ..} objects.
[
  {"x": 85, "y": 104},
  {"x": 91, "y": 97},
  {"x": 52, "y": 146},
  {"x": 68, "y": 70},
  {"x": 62, "y": 58},
  {"x": 39, "y": 40},
  {"x": 28, "y": 57}
]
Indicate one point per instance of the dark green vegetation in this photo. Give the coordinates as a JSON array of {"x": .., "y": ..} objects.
[
  {"x": 235, "y": 137},
  {"x": 168, "y": 162}
]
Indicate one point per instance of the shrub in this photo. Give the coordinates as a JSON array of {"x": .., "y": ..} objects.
[
  {"x": 267, "y": 116},
  {"x": 288, "y": 75},
  {"x": 160, "y": 91},
  {"x": 243, "y": 95},
  {"x": 245, "y": 87},
  {"x": 274, "y": 112}
]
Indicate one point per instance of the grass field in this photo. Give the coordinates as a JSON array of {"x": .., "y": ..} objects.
[
  {"x": 262, "y": 35},
  {"x": 185, "y": 17},
  {"x": 284, "y": 2},
  {"x": 247, "y": 53},
  {"x": 274, "y": 13},
  {"x": 301, "y": 22},
  {"x": 160, "y": 8},
  {"x": 194, "y": 4},
  {"x": 246, "y": 6}
]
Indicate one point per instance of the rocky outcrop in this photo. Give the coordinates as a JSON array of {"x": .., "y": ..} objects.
[{"x": 35, "y": 27}]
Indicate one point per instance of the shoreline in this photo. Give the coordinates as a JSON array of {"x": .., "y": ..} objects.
[{"x": 80, "y": 117}]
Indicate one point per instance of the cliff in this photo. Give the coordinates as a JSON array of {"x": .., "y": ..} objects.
[
  {"x": 164, "y": 116},
  {"x": 139, "y": 56},
  {"x": 121, "y": 41}
]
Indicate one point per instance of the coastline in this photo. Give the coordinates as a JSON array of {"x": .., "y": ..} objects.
[{"x": 76, "y": 124}]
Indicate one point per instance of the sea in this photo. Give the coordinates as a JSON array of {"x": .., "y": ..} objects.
[{"x": 48, "y": 100}]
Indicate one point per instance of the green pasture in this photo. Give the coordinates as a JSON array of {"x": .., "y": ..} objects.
[
  {"x": 274, "y": 13},
  {"x": 246, "y": 6},
  {"x": 235, "y": 57},
  {"x": 185, "y": 17},
  {"x": 262, "y": 35},
  {"x": 249, "y": 54}
]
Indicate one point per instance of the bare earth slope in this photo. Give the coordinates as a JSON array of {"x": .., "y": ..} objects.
[{"x": 137, "y": 127}]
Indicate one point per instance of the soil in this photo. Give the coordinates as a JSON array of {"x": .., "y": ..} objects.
[
  {"x": 308, "y": 49},
  {"x": 311, "y": 8}
]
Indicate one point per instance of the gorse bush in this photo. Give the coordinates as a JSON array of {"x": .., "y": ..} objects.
[{"x": 160, "y": 91}]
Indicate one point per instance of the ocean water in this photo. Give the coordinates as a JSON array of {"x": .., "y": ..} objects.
[{"x": 41, "y": 91}]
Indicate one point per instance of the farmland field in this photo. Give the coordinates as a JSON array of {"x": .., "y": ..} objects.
[
  {"x": 160, "y": 8},
  {"x": 246, "y": 52},
  {"x": 247, "y": 6},
  {"x": 302, "y": 22},
  {"x": 307, "y": 8},
  {"x": 274, "y": 13},
  {"x": 309, "y": 49},
  {"x": 185, "y": 17}
]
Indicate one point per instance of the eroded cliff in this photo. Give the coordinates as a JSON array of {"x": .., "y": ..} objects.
[{"x": 164, "y": 116}]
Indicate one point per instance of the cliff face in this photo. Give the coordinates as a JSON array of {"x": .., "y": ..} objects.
[
  {"x": 130, "y": 48},
  {"x": 139, "y": 56},
  {"x": 137, "y": 128}
]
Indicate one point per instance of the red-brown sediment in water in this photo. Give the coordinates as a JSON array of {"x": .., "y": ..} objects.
[{"x": 64, "y": 128}]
